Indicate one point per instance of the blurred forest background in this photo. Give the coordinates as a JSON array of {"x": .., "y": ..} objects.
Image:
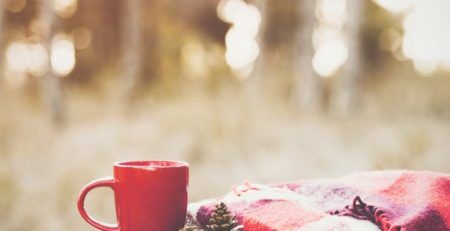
[{"x": 258, "y": 90}]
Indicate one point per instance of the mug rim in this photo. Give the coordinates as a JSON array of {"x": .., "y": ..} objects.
[{"x": 147, "y": 163}]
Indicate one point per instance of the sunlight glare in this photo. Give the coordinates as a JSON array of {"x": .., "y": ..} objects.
[
  {"x": 329, "y": 57},
  {"x": 27, "y": 58},
  {"x": 229, "y": 10},
  {"x": 37, "y": 59},
  {"x": 62, "y": 56},
  {"x": 325, "y": 33},
  {"x": 332, "y": 11},
  {"x": 248, "y": 20},
  {"x": 16, "y": 56},
  {"x": 427, "y": 35},
  {"x": 240, "y": 40},
  {"x": 65, "y": 8},
  {"x": 396, "y": 6},
  {"x": 426, "y": 68},
  {"x": 328, "y": 39},
  {"x": 242, "y": 50}
]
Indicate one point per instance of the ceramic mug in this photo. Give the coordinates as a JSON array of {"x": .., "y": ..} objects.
[{"x": 149, "y": 195}]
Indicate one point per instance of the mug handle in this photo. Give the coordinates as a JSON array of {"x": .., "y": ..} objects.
[{"x": 104, "y": 182}]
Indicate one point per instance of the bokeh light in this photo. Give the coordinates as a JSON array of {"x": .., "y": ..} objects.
[
  {"x": 247, "y": 20},
  {"x": 331, "y": 11},
  {"x": 325, "y": 33},
  {"x": 39, "y": 26},
  {"x": 329, "y": 57},
  {"x": 396, "y": 6},
  {"x": 242, "y": 48},
  {"x": 426, "y": 27},
  {"x": 390, "y": 40},
  {"x": 37, "y": 59},
  {"x": 62, "y": 55},
  {"x": 426, "y": 68},
  {"x": 65, "y": 8},
  {"x": 82, "y": 37},
  {"x": 228, "y": 10},
  {"x": 427, "y": 35},
  {"x": 16, "y": 56},
  {"x": 25, "y": 58},
  {"x": 15, "y": 6},
  {"x": 194, "y": 58},
  {"x": 331, "y": 51}
]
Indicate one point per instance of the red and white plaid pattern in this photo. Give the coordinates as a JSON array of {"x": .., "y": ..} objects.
[{"x": 384, "y": 200}]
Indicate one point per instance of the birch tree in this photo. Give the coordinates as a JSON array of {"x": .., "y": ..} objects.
[
  {"x": 1, "y": 42},
  {"x": 257, "y": 76},
  {"x": 131, "y": 45},
  {"x": 347, "y": 93},
  {"x": 1, "y": 25},
  {"x": 51, "y": 84},
  {"x": 307, "y": 90}
]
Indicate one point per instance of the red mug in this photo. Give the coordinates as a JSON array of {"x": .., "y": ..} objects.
[{"x": 149, "y": 196}]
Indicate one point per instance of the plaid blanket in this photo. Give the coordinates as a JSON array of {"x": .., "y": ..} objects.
[{"x": 384, "y": 200}]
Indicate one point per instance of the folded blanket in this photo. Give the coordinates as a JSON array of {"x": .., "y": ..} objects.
[{"x": 385, "y": 200}]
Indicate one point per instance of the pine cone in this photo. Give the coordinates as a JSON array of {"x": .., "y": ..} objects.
[{"x": 222, "y": 220}]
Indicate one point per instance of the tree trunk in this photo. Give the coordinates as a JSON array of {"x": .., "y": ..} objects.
[
  {"x": 2, "y": 61},
  {"x": 131, "y": 46},
  {"x": 51, "y": 84},
  {"x": 1, "y": 25},
  {"x": 347, "y": 93},
  {"x": 255, "y": 82},
  {"x": 307, "y": 90}
]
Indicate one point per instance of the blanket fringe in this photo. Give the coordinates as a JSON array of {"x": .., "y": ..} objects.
[{"x": 362, "y": 211}]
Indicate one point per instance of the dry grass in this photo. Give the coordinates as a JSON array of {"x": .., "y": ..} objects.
[{"x": 225, "y": 138}]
